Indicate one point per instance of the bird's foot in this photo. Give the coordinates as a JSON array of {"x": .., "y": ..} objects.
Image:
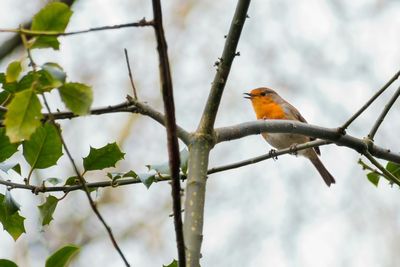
[
  {"x": 272, "y": 154},
  {"x": 293, "y": 149}
]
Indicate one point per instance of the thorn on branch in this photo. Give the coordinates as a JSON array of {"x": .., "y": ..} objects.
[
  {"x": 225, "y": 36},
  {"x": 218, "y": 62},
  {"x": 247, "y": 16},
  {"x": 237, "y": 54}
]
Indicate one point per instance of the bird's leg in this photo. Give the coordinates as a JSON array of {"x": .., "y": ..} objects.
[
  {"x": 272, "y": 154},
  {"x": 293, "y": 149}
]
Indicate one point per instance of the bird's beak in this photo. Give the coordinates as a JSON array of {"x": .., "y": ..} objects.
[{"x": 248, "y": 96}]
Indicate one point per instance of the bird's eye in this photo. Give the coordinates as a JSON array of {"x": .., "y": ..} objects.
[{"x": 262, "y": 93}]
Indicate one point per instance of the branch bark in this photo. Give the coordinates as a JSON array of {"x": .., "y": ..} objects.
[
  {"x": 170, "y": 125},
  {"x": 285, "y": 126},
  {"x": 202, "y": 143}
]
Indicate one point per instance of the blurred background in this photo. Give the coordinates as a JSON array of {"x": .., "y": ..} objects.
[{"x": 326, "y": 57}]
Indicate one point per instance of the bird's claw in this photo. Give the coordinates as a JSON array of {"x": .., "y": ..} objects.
[
  {"x": 272, "y": 154},
  {"x": 293, "y": 149}
]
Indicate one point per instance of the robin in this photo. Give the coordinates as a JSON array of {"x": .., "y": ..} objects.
[{"x": 267, "y": 104}]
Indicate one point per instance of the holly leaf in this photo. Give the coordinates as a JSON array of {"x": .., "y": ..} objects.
[
  {"x": 78, "y": 97},
  {"x": 393, "y": 168},
  {"x": 174, "y": 263},
  {"x": 6, "y": 148},
  {"x": 12, "y": 223},
  {"x": 47, "y": 209},
  {"x": 164, "y": 167},
  {"x": 105, "y": 157},
  {"x": 11, "y": 206},
  {"x": 184, "y": 158},
  {"x": 51, "y": 76},
  {"x": 7, "y": 263},
  {"x": 53, "y": 180},
  {"x": 13, "y": 71},
  {"x": 61, "y": 257},
  {"x": 23, "y": 116},
  {"x": 373, "y": 177},
  {"x": 147, "y": 179},
  {"x": 53, "y": 17},
  {"x": 44, "y": 148}
]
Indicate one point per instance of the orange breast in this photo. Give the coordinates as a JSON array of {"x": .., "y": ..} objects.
[{"x": 265, "y": 108}]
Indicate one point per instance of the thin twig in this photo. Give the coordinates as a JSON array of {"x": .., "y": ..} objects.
[
  {"x": 223, "y": 68},
  {"x": 272, "y": 154},
  {"x": 85, "y": 188},
  {"x": 141, "y": 23},
  {"x": 161, "y": 178},
  {"x": 369, "y": 102},
  {"x": 170, "y": 125},
  {"x": 382, "y": 116},
  {"x": 14, "y": 41},
  {"x": 80, "y": 177},
  {"x": 288, "y": 126},
  {"x": 131, "y": 105},
  {"x": 390, "y": 177},
  {"x": 365, "y": 166},
  {"x": 130, "y": 74}
]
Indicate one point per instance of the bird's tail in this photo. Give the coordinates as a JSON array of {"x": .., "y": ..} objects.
[{"x": 328, "y": 178}]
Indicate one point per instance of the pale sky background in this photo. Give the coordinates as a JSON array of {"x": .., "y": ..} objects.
[{"x": 326, "y": 57}]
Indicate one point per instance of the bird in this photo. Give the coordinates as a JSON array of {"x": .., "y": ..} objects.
[{"x": 269, "y": 105}]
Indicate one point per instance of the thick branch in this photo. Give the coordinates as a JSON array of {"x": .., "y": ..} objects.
[
  {"x": 170, "y": 125},
  {"x": 284, "y": 126},
  {"x": 223, "y": 67}
]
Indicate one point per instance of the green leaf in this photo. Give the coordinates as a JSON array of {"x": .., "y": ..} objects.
[
  {"x": 159, "y": 168},
  {"x": 7, "y": 263},
  {"x": 105, "y": 157},
  {"x": 61, "y": 257},
  {"x": 78, "y": 97},
  {"x": 164, "y": 167},
  {"x": 373, "y": 177},
  {"x": 12, "y": 223},
  {"x": 17, "y": 168},
  {"x": 51, "y": 76},
  {"x": 53, "y": 17},
  {"x": 184, "y": 158},
  {"x": 13, "y": 71},
  {"x": 11, "y": 206},
  {"x": 73, "y": 180},
  {"x": 393, "y": 168},
  {"x": 53, "y": 180},
  {"x": 6, "y": 148},
  {"x": 23, "y": 116},
  {"x": 47, "y": 209},
  {"x": 147, "y": 179},
  {"x": 44, "y": 148},
  {"x": 5, "y": 167},
  {"x": 174, "y": 263}
]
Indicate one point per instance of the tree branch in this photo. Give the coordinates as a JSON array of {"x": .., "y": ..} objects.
[
  {"x": 369, "y": 102},
  {"x": 271, "y": 154},
  {"x": 381, "y": 117},
  {"x": 15, "y": 41},
  {"x": 141, "y": 23},
  {"x": 288, "y": 126},
  {"x": 131, "y": 106},
  {"x": 202, "y": 143},
  {"x": 223, "y": 68},
  {"x": 170, "y": 125}
]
